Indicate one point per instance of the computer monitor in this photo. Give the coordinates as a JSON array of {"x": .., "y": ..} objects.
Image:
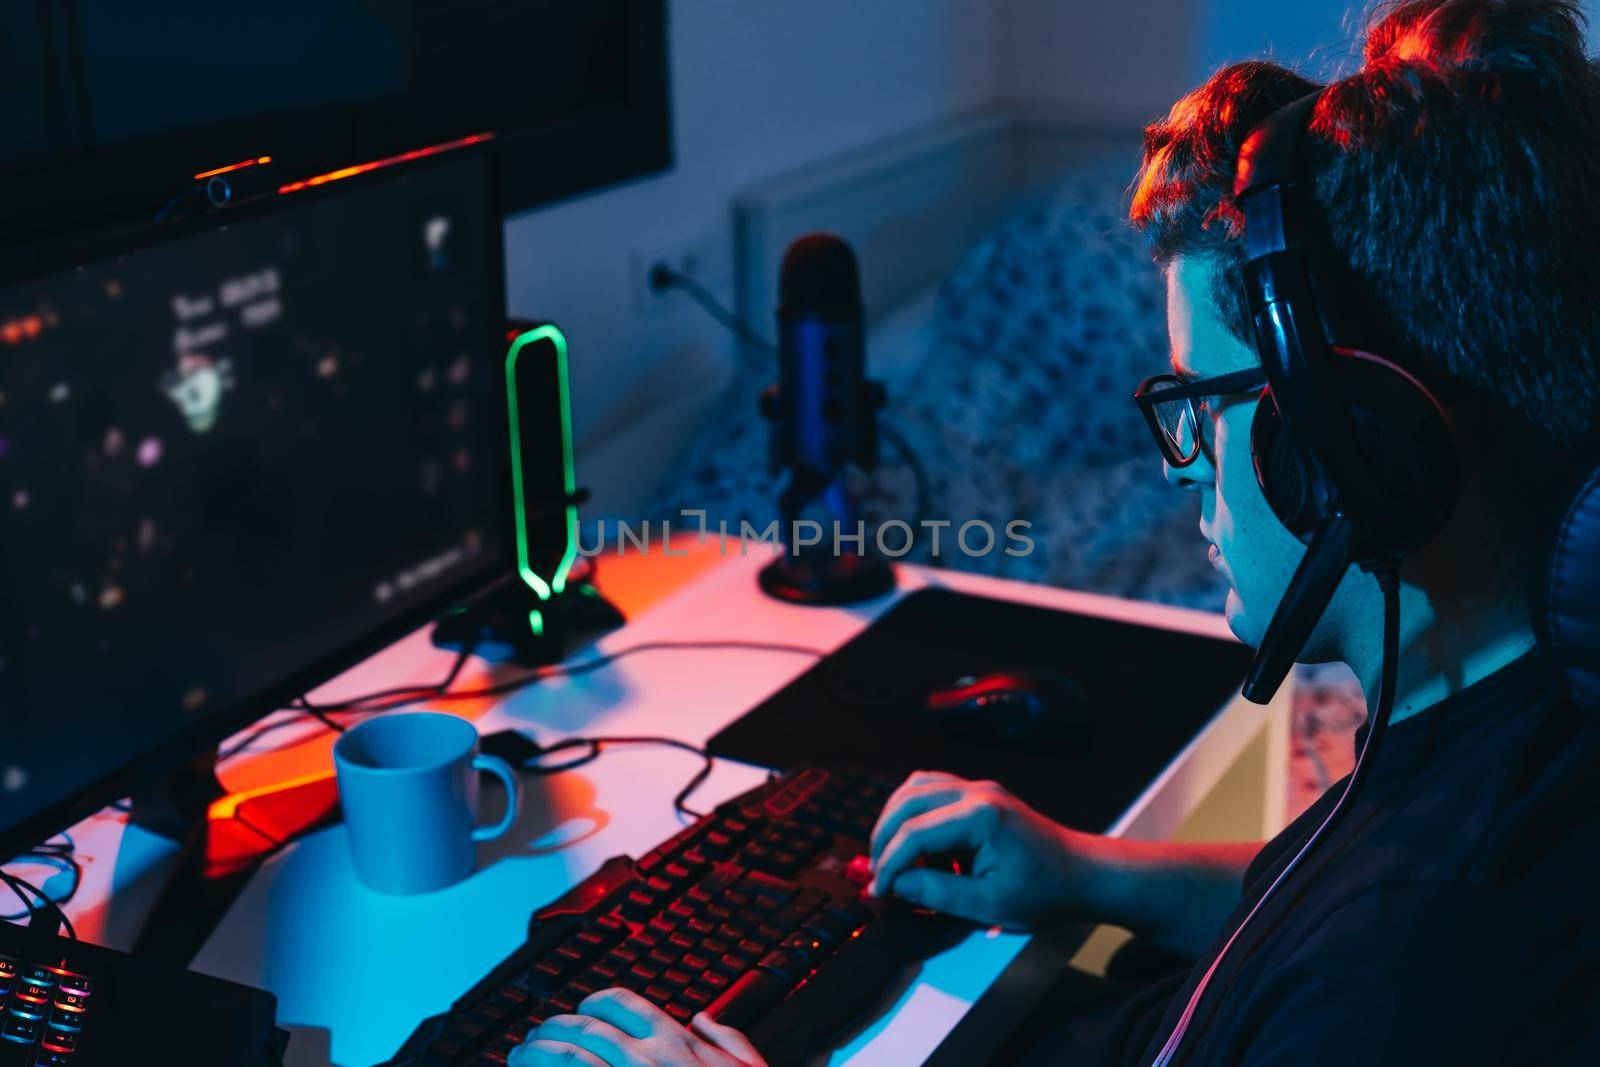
[
  {"x": 113, "y": 108},
  {"x": 234, "y": 460}
]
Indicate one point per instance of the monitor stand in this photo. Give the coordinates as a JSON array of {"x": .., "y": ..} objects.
[{"x": 222, "y": 839}]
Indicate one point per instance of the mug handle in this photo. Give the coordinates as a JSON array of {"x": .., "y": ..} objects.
[{"x": 501, "y": 770}]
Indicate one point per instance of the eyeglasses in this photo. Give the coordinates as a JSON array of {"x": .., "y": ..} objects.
[{"x": 1175, "y": 409}]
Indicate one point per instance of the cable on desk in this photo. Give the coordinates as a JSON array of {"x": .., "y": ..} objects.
[
  {"x": 595, "y": 745},
  {"x": 259, "y": 732},
  {"x": 440, "y": 686},
  {"x": 390, "y": 699},
  {"x": 59, "y": 854},
  {"x": 562, "y": 670},
  {"x": 324, "y": 718},
  {"x": 324, "y": 713},
  {"x": 16, "y": 885}
]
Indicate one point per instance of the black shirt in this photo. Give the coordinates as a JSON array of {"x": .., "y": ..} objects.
[{"x": 1448, "y": 917}]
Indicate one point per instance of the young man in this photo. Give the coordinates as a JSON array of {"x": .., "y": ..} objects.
[{"x": 1447, "y": 917}]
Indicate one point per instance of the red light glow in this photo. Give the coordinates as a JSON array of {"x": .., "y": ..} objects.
[
  {"x": 16, "y": 331},
  {"x": 363, "y": 168},
  {"x": 231, "y": 167}
]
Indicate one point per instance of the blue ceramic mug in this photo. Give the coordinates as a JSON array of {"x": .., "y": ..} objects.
[{"x": 408, "y": 784}]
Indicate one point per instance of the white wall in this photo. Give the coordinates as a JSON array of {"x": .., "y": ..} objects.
[
  {"x": 1316, "y": 36},
  {"x": 758, "y": 88},
  {"x": 1321, "y": 37},
  {"x": 1127, "y": 60},
  {"x": 1130, "y": 60}
]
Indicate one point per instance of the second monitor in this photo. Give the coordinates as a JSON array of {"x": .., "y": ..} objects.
[{"x": 235, "y": 460}]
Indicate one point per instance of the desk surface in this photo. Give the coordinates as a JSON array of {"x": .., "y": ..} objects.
[{"x": 355, "y": 970}]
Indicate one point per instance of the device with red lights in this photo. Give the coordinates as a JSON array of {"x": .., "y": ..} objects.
[
  {"x": 366, "y": 168},
  {"x": 67, "y": 1003},
  {"x": 755, "y": 914},
  {"x": 233, "y": 168}
]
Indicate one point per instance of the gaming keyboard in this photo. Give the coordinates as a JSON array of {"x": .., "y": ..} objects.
[
  {"x": 45, "y": 1009},
  {"x": 65, "y": 1002},
  {"x": 754, "y": 914}
]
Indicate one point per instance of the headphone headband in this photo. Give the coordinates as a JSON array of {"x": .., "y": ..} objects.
[
  {"x": 1270, "y": 155},
  {"x": 1272, "y": 192},
  {"x": 1354, "y": 454}
]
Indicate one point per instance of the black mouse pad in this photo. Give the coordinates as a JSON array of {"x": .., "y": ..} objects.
[{"x": 1151, "y": 691}]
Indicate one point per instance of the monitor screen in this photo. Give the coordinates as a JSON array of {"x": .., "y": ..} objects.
[{"x": 229, "y": 459}]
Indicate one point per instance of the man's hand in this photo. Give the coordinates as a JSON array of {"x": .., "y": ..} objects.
[
  {"x": 617, "y": 1028},
  {"x": 1025, "y": 868}
]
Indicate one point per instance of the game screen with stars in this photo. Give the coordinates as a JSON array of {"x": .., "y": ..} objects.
[{"x": 224, "y": 457}]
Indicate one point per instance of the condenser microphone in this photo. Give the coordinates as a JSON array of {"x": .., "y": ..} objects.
[{"x": 823, "y": 411}]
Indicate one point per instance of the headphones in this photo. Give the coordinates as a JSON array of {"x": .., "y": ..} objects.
[
  {"x": 1355, "y": 456},
  {"x": 1358, "y": 460}
]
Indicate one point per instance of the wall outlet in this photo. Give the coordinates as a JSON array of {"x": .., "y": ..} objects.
[{"x": 707, "y": 258}]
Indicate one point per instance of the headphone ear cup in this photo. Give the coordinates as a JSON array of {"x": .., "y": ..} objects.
[
  {"x": 1404, "y": 442},
  {"x": 1279, "y": 469}
]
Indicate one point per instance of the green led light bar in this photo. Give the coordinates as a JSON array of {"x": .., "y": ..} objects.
[{"x": 558, "y": 581}]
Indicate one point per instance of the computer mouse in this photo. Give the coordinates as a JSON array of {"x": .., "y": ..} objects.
[{"x": 1008, "y": 706}]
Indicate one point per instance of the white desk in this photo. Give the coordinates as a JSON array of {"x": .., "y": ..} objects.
[{"x": 355, "y": 971}]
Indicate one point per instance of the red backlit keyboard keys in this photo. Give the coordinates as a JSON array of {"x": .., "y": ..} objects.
[
  {"x": 59, "y": 1041},
  {"x": 73, "y": 1002},
  {"x": 42, "y": 1010},
  {"x": 750, "y": 905},
  {"x": 32, "y": 992}
]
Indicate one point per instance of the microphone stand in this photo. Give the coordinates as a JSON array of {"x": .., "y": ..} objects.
[{"x": 816, "y": 574}]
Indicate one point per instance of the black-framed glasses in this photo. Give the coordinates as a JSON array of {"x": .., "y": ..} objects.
[{"x": 1175, "y": 409}]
